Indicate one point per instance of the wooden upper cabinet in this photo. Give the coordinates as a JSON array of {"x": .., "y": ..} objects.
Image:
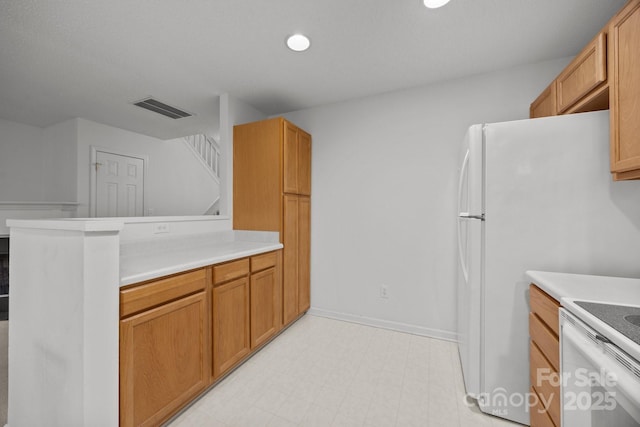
[
  {"x": 586, "y": 72},
  {"x": 624, "y": 45},
  {"x": 257, "y": 175},
  {"x": 606, "y": 75},
  {"x": 297, "y": 160},
  {"x": 304, "y": 163},
  {"x": 270, "y": 158},
  {"x": 545, "y": 104},
  {"x": 291, "y": 149}
]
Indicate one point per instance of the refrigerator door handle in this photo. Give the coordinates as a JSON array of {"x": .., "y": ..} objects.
[
  {"x": 463, "y": 174},
  {"x": 465, "y": 272},
  {"x": 465, "y": 215}
]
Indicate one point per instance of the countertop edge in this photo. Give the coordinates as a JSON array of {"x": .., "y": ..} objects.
[
  {"x": 203, "y": 262},
  {"x": 540, "y": 280},
  {"x": 67, "y": 225},
  {"x": 567, "y": 288},
  {"x": 614, "y": 290}
]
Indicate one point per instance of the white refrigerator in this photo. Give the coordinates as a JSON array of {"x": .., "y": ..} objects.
[{"x": 533, "y": 195}]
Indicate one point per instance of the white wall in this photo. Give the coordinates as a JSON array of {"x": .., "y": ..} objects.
[
  {"x": 176, "y": 184},
  {"x": 232, "y": 112},
  {"x": 35, "y": 172},
  {"x": 21, "y": 162},
  {"x": 37, "y": 165},
  {"x": 384, "y": 177},
  {"x": 53, "y": 165},
  {"x": 60, "y": 151}
]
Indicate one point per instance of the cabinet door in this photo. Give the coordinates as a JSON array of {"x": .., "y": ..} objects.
[
  {"x": 304, "y": 163},
  {"x": 545, "y": 104},
  {"x": 586, "y": 72},
  {"x": 624, "y": 46},
  {"x": 162, "y": 360},
  {"x": 230, "y": 324},
  {"x": 304, "y": 253},
  {"x": 290, "y": 261},
  {"x": 297, "y": 160},
  {"x": 291, "y": 145},
  {"x": 257, "y": 175},
  {"x": 264, "y": 318}
]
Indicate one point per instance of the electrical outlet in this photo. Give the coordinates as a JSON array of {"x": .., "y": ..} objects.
[
  {"x": 384, "y": 292},
  {"x": 161, "y": 227}
]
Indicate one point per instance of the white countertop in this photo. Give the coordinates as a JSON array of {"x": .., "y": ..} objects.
[
  {"x": 614, "y": 290},
  {"x": 145, "y": 260},
  {"x": 567, "y": 288},
  {"x": 68, "y": 224}
]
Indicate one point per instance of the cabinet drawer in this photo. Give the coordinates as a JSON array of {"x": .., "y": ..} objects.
[
  {"x": 543, "y": 337},
  {"x": 230, "y": 270},
  {"x": 539, "y": 417},
  {"x": 151, "y": 294},
  {"x": 260, "y": 262},
  {"x": 546, "y": 381},
  {"x": 586, "y": 72},
  {"x": 545, "y": 307}
]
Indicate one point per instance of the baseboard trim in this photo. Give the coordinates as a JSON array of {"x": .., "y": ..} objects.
[{"x": 386, "y": 324}]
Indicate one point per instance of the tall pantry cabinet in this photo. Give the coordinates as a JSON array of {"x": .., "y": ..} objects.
[{"x": 272, "y": 192}]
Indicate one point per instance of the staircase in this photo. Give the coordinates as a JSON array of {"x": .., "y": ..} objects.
[{"x": 208, "y": 152}]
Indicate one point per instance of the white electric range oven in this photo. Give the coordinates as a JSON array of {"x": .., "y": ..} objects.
[{"x": 600, "y": 364}]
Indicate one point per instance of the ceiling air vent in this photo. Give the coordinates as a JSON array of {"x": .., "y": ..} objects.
[{"x": 162, "y": 108}]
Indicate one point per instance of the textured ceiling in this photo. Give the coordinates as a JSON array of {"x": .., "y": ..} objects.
[{"x": 90, "y": 58}]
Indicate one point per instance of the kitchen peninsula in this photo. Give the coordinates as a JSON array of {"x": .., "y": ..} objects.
[{"x": 72, "y": 275}]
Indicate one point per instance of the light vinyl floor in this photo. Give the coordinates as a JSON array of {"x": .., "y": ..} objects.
[{"x": 324, "y": 372}]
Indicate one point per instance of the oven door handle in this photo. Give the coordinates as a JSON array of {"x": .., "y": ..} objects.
[{"x": 625, "y": 382}]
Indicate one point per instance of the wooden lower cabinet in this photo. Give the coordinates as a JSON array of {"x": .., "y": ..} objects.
[
  {"x": 180, "y": 334},
  {"x": 230, "y": 324},
  {"x": 544, "y": 360},
  {"x": 163, "y": 360},
  {"x": 290, "y": 260},
  {"x": 539, "y": 416},
  {"x": 304, "y": 254},
  {"x": 297, "y": 247},
  {"x": 264, "y": 305},
  {"x": 546, "y": 382}
]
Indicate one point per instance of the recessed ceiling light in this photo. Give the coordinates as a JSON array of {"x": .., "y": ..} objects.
[
  {"x": 298, "y": 42},
  {"x": 433, "y": 4}
]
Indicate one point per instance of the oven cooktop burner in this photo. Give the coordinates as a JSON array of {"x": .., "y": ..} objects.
[{"x": 622, "y": 318}]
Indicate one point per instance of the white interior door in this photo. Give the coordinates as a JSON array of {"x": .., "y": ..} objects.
[{"x": 119, "y": 185}]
